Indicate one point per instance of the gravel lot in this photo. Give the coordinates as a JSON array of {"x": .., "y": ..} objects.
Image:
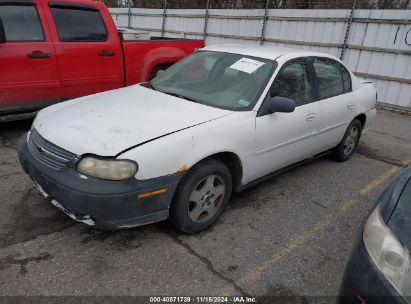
[{"x": 290, "y": 235}]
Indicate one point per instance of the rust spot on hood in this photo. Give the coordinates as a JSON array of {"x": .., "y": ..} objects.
[{"x": 183, "y": 169}]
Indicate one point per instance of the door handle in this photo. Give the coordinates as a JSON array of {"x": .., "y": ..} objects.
[
  {"x": 39, "y": 55},
  {"x": 106, "y": 53},
  {"x": 350, "y": 105},
  {"x": 310, "y": 116}
]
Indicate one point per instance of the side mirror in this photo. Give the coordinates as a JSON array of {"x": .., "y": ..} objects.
[
  {"x": 280, "y": 104},
  {"x": 2, "y": 32}
]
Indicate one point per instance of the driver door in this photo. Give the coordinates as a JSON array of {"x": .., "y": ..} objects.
[{"x": 285, "y": 138}]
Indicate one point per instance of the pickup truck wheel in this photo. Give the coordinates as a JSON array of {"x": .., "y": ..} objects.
[
  {"x": 201, "y": 196},
  {"x": 155, "y": 70},
  {"x": 346, "y": 147}
]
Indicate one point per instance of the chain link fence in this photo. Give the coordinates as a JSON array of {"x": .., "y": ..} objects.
[{"x": 259, "y": 4}]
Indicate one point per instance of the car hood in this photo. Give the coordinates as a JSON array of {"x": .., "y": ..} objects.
[{"x": 108, "y": 123}]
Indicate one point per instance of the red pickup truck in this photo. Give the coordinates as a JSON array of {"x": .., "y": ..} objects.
[{"x": 53, "y": 50}]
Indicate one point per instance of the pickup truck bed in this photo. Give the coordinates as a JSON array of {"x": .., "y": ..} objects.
[{"x": 63, "y": 49}]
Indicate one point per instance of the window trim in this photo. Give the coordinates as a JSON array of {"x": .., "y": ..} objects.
[
  {"x": 24, "y": 3},
  {"x": 72, "y": 5},
  {"x": 80, "y": 7},
  {"x": 311, "y": 80},
  {"x": 17, "y": 2},
  {"x": 342, "y": 67},
  {"x": 339, "y": 66}
]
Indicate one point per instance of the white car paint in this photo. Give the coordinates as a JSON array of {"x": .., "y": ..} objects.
[
  {"x": 136, "y": 118},
  {"x": 108, "y": 123}
]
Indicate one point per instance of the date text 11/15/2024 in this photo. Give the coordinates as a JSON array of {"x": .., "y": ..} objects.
[{"x": 202, "y": 299}]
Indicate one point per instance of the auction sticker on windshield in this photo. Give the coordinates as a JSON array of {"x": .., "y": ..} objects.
[{"x": 246, "y": 65}]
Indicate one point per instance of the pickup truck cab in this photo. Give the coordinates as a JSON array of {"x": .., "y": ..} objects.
[
  {"x": 54, "y": 50},
  {"x": 220, "y": 120}
]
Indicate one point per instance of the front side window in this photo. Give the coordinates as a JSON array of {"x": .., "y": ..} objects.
[
  {"x": 78, "y": 24},
  {"x": 333, "y": 78},
  {"x": 223, "y": 80},
  {"x": 293, "y": 82},
  {"x": 21, "y": 23}
]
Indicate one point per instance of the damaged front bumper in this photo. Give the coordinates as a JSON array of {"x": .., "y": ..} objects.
[{"x": 101, "y": 203}]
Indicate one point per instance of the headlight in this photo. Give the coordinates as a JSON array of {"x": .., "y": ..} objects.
[
  {"x": 388, "y": 254},
  {"x": 111, "y": 169}
]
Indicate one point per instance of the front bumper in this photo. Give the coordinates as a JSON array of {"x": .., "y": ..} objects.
[
  {"x": 364, "y": 283},
  {"x": 101, "y": 203}
]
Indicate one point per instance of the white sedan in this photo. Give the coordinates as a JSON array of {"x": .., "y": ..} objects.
[{"x": 218, "y": 121}]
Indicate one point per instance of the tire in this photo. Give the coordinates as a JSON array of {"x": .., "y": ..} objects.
[
  {"x": 155, "y": 70},
  {"x": 346, "y": 147},
  {"x": 153, "y": 73},
  {"x": 201, "y": 196}
]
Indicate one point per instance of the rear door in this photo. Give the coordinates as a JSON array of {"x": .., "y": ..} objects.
[
  {"x": 88, "y": 49},
  {"x": 336, "y": 100},
  {"x": 29, "y": 75}
]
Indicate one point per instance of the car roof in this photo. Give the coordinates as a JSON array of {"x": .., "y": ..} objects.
[{"x": 267, "y": 52}]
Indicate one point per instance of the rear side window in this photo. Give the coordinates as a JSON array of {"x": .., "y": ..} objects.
[
  {"x": 78, "y": 24},
  {"x": 333, "y": 78},
  {"x": 21, "y": 23}
]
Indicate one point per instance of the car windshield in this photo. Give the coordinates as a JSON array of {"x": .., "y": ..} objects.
[{"x": 222, "y": 80}]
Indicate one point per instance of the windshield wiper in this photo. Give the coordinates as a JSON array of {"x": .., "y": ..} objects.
[
  {"x": 179, "y": 96},
  {"x": 149, "y": 85}
]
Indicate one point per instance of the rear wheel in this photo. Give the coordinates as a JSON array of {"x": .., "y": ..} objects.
[
  {"x": 201, "y": 196},
  {"x": 346, "y": 147},
  {"x": 161, "y": 67}
]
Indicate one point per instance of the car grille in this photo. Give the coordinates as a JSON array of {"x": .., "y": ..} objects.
[{"x": 47, "y": 153}]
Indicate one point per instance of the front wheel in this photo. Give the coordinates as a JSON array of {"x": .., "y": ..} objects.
[
  {"x": 201, "y": 196},
  {"x": 346, "y": 147}
]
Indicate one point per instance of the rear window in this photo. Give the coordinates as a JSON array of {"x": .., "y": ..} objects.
[
  {"x": 21, "y": 23},
  {"x": 79, "y": 24}
]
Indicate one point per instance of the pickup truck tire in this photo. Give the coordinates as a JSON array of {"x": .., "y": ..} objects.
[
  {"x": 201, "y": 196},
  {"x": 161, "y": 67},
  {"x": 346, "y": 147}
]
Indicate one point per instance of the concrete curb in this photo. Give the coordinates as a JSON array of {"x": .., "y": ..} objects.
[{"x": 394, "y": 108}]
